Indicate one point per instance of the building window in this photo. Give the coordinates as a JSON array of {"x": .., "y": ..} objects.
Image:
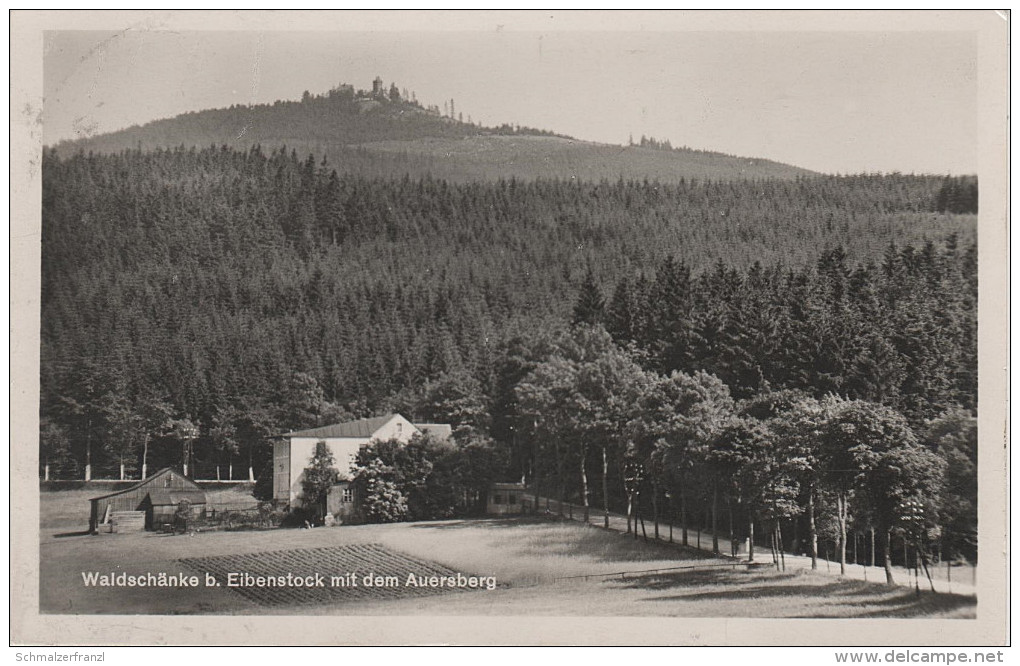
[
  {"x": 347, "y": 496},
  {"x": 511, "y": 499},
  {"x": 497, "y": 498}
]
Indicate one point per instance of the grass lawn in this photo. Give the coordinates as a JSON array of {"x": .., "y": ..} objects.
[{"x": 530, "y": 559}]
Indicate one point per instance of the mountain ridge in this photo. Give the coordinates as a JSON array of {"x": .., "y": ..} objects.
[{"x": 381, "y": 132}]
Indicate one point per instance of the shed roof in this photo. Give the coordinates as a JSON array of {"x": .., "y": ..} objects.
[
  {"x": 173, "y": 496},
  {"x": 144, "y": 482},
  {"x": 359, "y": 428},
  {"x": 509, "y": 486}
]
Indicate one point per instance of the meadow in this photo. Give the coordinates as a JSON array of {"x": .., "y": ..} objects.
[{"x": 542, "y": 566}]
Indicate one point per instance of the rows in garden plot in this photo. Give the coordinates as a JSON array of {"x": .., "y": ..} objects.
[{"x": 357, "y": 559}]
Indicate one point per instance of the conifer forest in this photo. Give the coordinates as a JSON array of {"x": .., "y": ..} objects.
[{"x": 739, "y": 354}]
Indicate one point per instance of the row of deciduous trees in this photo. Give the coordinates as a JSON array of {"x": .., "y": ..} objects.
[
  {"x": 101, "y": 428},
  {"x": 594, "y": 424}
]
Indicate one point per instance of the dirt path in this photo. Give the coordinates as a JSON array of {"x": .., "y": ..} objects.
[{"x": 963, "y": 582}]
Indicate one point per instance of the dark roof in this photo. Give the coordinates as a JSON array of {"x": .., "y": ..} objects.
[
  {"x": 173, "y": 496},
  {"x": 509, "y": 486},
  {"x": 359, "y": 428},
  {"x": 143, "y": 482},
  {"x": 440, "y": 431}
]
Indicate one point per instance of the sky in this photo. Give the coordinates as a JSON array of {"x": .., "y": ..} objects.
[{"x": 836, "y": 102}]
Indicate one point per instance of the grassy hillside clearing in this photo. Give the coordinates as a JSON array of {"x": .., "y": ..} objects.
[
  {"x": 386, "y": 138},
  {"x": 490, "y": 157},
  {"x": 529, "y": 559}
]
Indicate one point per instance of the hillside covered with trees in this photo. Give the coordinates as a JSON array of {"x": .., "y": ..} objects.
[
  {"x": 238, "y": 294},
  {"x": 386, "y": 132}
]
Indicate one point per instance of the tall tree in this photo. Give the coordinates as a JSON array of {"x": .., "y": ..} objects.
[
  {"x": 953, "y": 437},
  {"x": 455, "y": 398},
  {"x": 223, "y": 434},
  {"x": 621, "y": 313},
  {"x": 82, "y": 405},
  {"x": 590, "y": 307},
  {"x": 155, "y": 415},
  {"x": 676, "y": 418},
  {"x": 303, "y": 402},
  {"x": 580, "y": 397},
  {"x": 764, "y": 475},
  {"x": 54, "y": 445},
  {"x": 890, "y": 467},
  {"x": 185, "y": 431},
  {"x": 317, "y": 478},
  {"x": 799, "y": 425},
  {"x": 124, "y": 431},
  {"x": 842, "y": 456}
]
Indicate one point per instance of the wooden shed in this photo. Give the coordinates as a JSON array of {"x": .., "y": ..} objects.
[
  {"x": 157, "y": 496},
  {"x": 507, "y": 499}
]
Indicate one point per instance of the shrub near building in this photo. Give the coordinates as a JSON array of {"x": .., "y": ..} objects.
[
  {"x": 425, "y": 478},
  {"x": 320, "y": 475}
]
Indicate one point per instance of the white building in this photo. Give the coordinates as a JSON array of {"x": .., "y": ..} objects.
[{"x": 293, "y": 452}]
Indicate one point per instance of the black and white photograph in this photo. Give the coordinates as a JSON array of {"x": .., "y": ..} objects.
[{"x": 451, "y": 324}]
